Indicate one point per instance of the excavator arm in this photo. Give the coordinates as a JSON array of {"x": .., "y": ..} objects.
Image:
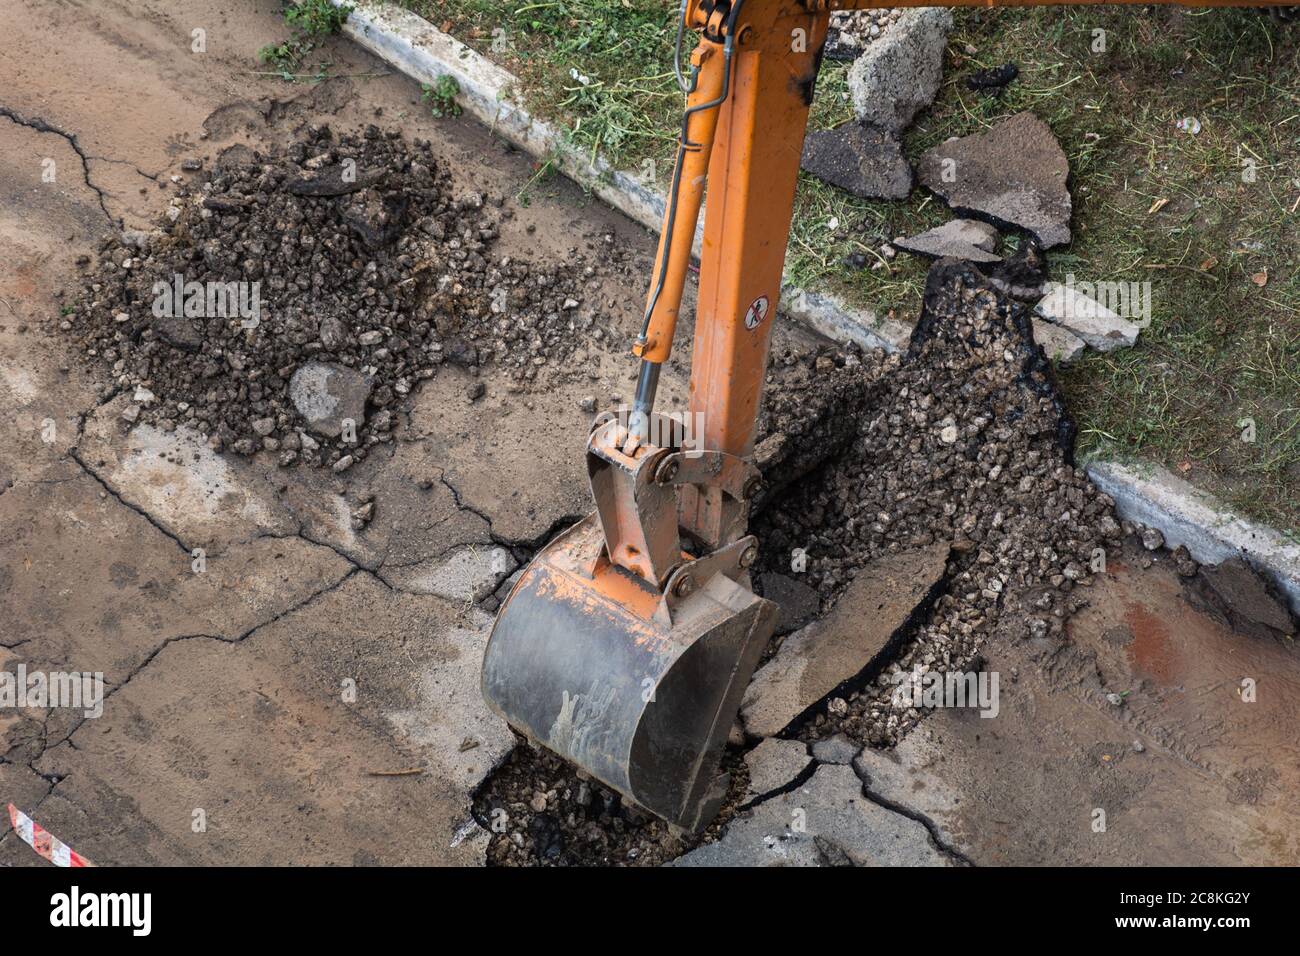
[{"x": 627, "y": 643}]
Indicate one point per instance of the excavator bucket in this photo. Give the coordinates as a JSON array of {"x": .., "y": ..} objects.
[
  {"x": 589, "y": 661},
  {"x": 627, "y": 644}
]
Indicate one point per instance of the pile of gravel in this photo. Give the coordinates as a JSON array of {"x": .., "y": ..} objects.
[
  {"x": 371, "y": 275},
  {"x": 969, "y": 444}
]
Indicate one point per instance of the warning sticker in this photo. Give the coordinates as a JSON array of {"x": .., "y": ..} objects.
[{"x": 757, "y": 313}]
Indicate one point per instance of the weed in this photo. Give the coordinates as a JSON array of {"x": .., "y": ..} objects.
[
  {"x": 441, "y": 96},
  {"x": 317, "y": 17},
  {"x": 311, "y": 21}
]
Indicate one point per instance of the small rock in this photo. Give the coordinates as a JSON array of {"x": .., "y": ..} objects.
[
  {"x": 326, "y": 395},
  {"x": 1184, "y": 563},
  {"x": 960, "y": 238},
  {"x": 1014, "y": 173},
  {"x": 1152, "y": 539},
  {"x": 332, "y": 332}
]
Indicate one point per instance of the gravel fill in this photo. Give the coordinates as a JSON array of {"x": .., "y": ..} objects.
[{"x": 969, "y": 443}]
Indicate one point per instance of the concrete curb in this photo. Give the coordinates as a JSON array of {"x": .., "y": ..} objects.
[
  {"x": 1151, "y": 496},
  {"x": 1197, "y": 520}
]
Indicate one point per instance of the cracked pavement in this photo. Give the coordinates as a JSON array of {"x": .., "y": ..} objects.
[
  {"x": 267, "y": 666},
  {"x": 256, "y": 711}
]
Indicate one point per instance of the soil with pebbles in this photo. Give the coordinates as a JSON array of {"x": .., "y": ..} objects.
[
  {"x": 970, "y": 444},
  {"x": 542, "y": 812},
  {"x": 963, "y": 439},
  {"x": 365, "y": 260}
]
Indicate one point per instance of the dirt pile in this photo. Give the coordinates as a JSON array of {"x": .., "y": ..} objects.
[
  {"x": 969, "y": 443},
  {"x": 346, "y": 259}
]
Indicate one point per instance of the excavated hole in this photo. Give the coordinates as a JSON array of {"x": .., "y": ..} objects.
[
  {"x": 964, "y": 440},
  {"x": 541, "y": 811}
]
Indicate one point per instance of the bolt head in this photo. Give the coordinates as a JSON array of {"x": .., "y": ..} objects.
[
  {"x": 685, "y": 586},
  {"x": 748, "y": 556}
]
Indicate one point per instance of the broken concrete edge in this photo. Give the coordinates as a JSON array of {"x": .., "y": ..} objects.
[
  {"x": 874, "y": 667},
  {"x": 1151, "y": 495},
  {"x": 413, "y": 46},
  {"x": 419, "y": 50}
]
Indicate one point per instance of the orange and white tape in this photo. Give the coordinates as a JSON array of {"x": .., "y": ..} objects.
[{"x": 45, "y": 843}]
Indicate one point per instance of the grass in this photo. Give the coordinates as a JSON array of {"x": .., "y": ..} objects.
[
  {"x": 441, "y": 96},
  {"x": 1152, "y": 202},
  {"x": 603, "y": 67},
  {"x": 310, "y": 22}
]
